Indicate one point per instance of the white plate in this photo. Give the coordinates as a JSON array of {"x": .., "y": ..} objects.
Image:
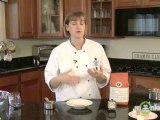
[
  {"x": 79, "y": 103},
  {"x": 151, "y": 115}
]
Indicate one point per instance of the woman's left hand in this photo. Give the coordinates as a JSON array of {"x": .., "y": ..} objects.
[
  {"x": 95, "y": 73},
  {"x": 98, "y": 74}
]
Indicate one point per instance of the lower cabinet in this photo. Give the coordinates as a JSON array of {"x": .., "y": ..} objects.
[
  {"x": 46, "y": 92},
  {"x": 9, "y": 82},
  {"x": 104, "y": 92},
  {"x": 141, "y": 82},
  {"x": 30, "y": 85}
]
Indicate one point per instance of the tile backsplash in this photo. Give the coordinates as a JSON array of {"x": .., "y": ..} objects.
[{"x": 146, "y": 56}]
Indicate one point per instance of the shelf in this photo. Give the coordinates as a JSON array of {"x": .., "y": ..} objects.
[{"x": 102, "y": 18}]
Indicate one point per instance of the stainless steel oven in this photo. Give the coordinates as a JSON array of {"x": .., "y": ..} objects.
[{"x": 42, "y": 51}]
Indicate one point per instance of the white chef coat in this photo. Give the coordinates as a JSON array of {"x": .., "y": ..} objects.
[{"x": 65, "y": 57}]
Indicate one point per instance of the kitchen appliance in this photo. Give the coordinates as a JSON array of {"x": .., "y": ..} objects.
[
  {"x": 42, "y": 51},
  {"x": 138, "y": 22}
]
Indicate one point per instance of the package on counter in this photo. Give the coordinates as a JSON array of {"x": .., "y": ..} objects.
[{"x": 119, "y": 88}]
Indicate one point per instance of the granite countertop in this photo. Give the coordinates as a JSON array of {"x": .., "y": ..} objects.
[
  {"x": 134, "y": 67},
  {"x": 20, "y": 64},
  {"x": 98, "y": 110}
]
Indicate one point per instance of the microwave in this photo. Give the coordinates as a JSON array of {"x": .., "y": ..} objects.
[
  {"x": 137, "y": 22},
  {"x": 42, "y": 51}
]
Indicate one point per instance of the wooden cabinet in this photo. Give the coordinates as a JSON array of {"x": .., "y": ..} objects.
[
  {"x": 141, "y": 82},
  {"x": 34, "y": 19},
  {"x": 136, "y": 3},
  {"x": 128, "y": 3},
  {"x": 30, "y": 86},
  {"x": 152, "y": 3},
  {"x": 46, "y": 92},
  {"x": 9, "y": 82},
  {"x": 50, "y": 18},
  {"x": 20, "y": 19},
  {"x": 101, "y": 15},
  {"x": 104, "y": 92},
  {"x": 76, "y": 5},
  {"x": 29, "y": 83}
]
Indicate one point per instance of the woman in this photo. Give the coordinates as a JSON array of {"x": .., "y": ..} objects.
[{"x": 77, "y": 67}]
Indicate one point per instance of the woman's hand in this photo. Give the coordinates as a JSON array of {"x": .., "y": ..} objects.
[
  {"x": 98, "y": 74},
  {"x": 65, "y": 78},
  {"x": 69, "y": 77}
]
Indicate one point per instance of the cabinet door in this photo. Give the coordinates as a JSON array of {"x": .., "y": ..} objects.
[
  {"x": 27, "y": 18},
  {"x": 46, "y": 92},
  {"x": 9, "y": 83},
  {"x": 152, "y": 3},
  {"x": 101, "y": 17},
  {"x": 76, "y": 5},
  {"x": 104, "y": 92},
  {"x": 50, "y": 18},
  {"x": 20, "y": 19},
  {"x": 140, "y": 82},
  {"x": 128, "y": 3},
  {"x": 31, "y": 86}
]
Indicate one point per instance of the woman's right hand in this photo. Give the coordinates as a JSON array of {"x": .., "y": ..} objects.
[{"x": 69, "y": 77}]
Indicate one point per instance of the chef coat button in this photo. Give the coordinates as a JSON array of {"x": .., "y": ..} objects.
[
  {"x": 75, "y": 52},
  {"x": 88, "y": 80},
  {"x": 76, "y": 66},
  {"x": 84, "y": 51},
  {"x": 86, "y": 65},
  {"x": 80, "y": 97},
  {"x": 89, "y": 94}
]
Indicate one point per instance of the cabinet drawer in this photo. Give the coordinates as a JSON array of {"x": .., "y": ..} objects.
[
  {"x": 145, "y": 82},
  {"x": 9, "y": 80},
  {"x": 29, "y": 75}
]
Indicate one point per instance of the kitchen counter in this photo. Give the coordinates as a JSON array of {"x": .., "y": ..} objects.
[
  {"x": 133, "y": 67},
  {"x": 20, "y": 64},
  {"x": 97, "y": 111}
]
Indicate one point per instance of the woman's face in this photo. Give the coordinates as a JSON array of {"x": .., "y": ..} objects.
[{"x": 76, "y": 28}]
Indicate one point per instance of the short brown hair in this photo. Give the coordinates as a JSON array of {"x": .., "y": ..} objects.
[{"x": 71, "y": 17}]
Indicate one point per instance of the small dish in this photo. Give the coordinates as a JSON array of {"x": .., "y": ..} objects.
[
  {"x": 150, "y": 116},
  {"x": 79, "y": 103}
]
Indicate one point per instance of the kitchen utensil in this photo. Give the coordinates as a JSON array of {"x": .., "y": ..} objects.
[
  {"x": 48, "y": 104},
  {"x": 154, "y": 94}
]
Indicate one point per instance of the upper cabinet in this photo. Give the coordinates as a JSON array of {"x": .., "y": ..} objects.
[
  {"x": 127, "y": 3},
  {"x": 137, "y": 3},
  {"x": 20, "y": 19},
  {"x": 153, "y": 3},
  {"x": 34, "y": 19},
  {"x": 44, "y": 18},
  {"x": 101, "y": 14},
  {"x": 75, "y": 5},
  {"x": 50, "y": 18}
]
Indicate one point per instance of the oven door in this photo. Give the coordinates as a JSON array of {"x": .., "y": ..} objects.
[{"x": 44, "y": 53}]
